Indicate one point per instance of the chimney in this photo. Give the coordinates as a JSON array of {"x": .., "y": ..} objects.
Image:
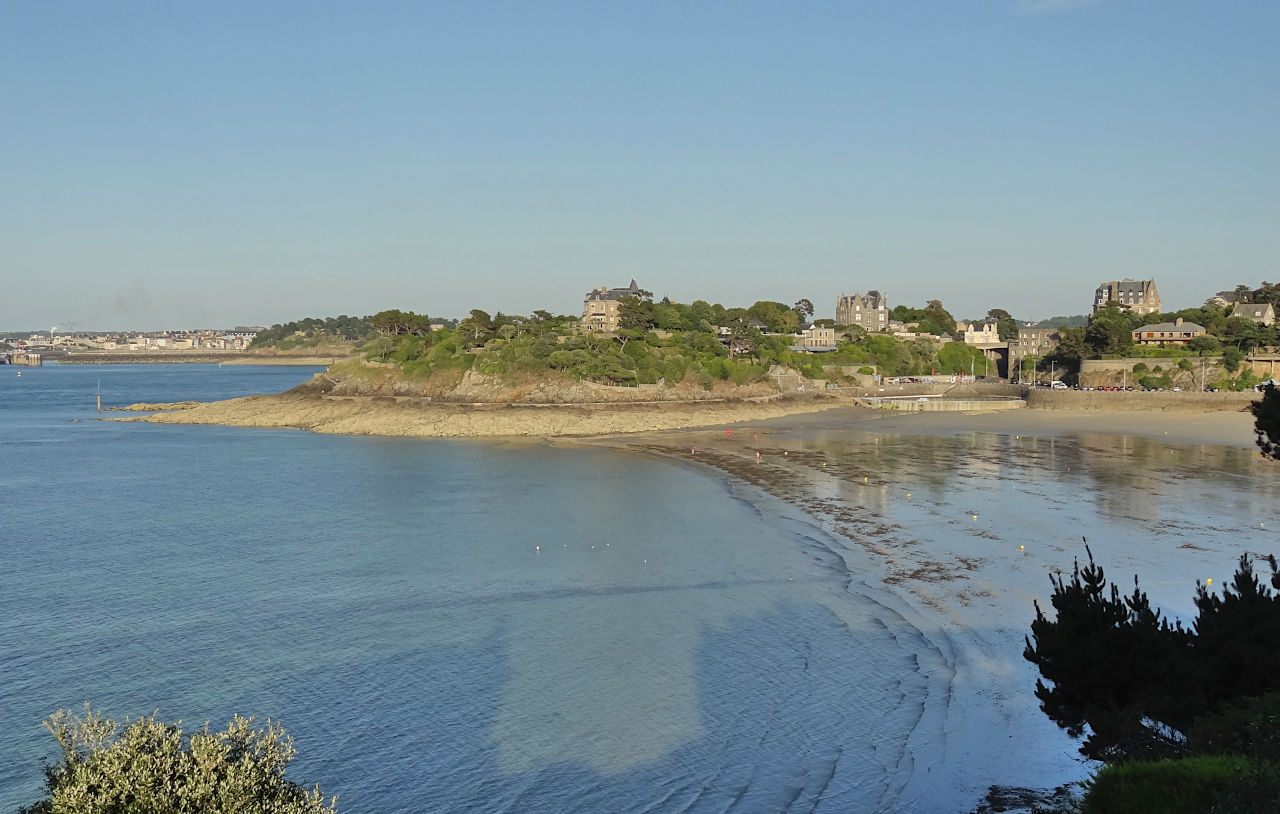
[{"x": 1177, "y": 323}]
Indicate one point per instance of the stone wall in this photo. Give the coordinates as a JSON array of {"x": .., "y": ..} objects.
[
  {"x": 946, "y": 405},
  {"x": 1138, "y": 401},
  {"x": 981, "y": 389},
  {"x": 1119, "y": 372}
]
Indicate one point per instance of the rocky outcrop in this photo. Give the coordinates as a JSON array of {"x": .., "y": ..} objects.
[
  {"x": 405, "y": 416},
  {"x": 472, "y": 387}
]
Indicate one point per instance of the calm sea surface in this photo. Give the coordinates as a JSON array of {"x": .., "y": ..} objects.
[{"x": 446, "y": 626}]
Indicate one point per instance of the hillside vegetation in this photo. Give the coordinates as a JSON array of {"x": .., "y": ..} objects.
[{"x": 657, "y": 343}]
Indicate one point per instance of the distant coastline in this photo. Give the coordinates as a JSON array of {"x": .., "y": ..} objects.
[{"x": 191, "y": 357}]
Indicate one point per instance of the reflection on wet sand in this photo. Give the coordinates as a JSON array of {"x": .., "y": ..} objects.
[
  {"x": 968, "y": 524},
  {"x": 884, "y": 491}
]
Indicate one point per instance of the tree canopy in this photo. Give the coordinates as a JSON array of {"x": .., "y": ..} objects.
[
  {"x": 341, "y": 327},
  {"x": 1133, "y": 682},
  {"x": 1006, "y": 325},
  {"x": 932, "y": 319}
]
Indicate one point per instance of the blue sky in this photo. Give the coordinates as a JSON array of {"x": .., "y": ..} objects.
[{"x": 178, "y": 164}]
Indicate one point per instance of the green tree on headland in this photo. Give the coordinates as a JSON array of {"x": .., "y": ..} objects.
[
  {"x": 401, "y": 323},
  {"x": 1006, "y": 325},
  {"x": 147, "y": 766},
  {"x": 312, "y": 329}
]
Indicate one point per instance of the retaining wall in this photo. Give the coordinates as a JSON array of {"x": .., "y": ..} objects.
[{"x": 1139, "y": 401}]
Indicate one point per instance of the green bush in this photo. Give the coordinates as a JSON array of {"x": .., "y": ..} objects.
[
  {"x": 1140, "y": 368},
  {"x": 1246, "y": 726},
  {"x": 151, "y": 766},
  {"x": 673, "y": 370},
  {"x": 1187, "y": 786},
  {"x": 1185, "y": 364},
  {"x": 531, "y": 364},
  {"x": 417, "y": 369},
  {"x": 1231, "y": 358},
  {"x": 866, "y": 371}
]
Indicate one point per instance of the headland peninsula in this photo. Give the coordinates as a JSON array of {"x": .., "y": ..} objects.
[{"x": 630, "y": 364}]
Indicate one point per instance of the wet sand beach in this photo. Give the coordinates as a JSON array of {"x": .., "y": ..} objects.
[{"x": 965, "y": 516}]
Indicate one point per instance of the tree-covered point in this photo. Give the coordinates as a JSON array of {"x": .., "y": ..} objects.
[
  {"x": 671, "y": 343},
  {"x": 303, "y": 331}
]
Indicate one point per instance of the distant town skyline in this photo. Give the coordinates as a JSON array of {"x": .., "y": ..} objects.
[{"x": 172, "y": 166}]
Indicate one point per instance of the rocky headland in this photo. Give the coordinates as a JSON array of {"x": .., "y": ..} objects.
[{"x": 364, "y": 399}]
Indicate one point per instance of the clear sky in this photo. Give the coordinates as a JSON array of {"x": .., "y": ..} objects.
[{"x": 211, "y": 164}]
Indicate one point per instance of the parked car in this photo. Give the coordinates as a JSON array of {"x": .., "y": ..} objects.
[{"x": 1059, "y": 386}]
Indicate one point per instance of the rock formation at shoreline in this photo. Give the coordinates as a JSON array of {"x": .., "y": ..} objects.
[{"x": 416, "y": 417}]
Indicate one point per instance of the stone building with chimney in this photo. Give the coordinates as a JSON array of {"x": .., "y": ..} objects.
[
  {"x": 600, "y": 306},
  {"x": 1138, "y": 296},
  {"x": 869, "y": 312}
]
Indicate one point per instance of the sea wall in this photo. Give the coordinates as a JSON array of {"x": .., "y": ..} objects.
[
  {"x": 980, "y": 389},
  {"x": 946, "y": 405},
  {"x": 1138, "y": 401}
]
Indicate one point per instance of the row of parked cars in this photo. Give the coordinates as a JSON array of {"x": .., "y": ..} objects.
[{"x": 1064, "y": 386}]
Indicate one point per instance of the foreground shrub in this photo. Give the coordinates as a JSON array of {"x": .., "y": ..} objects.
[
  {"x": 1194, "y": 785},
  {"x": 151, "y": 767}
]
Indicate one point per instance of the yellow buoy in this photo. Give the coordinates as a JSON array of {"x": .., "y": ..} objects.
[{"x": 1209, "y": 581}]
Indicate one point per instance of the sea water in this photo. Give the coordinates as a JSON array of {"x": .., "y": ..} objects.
[{"x": 455, "y": 626}]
